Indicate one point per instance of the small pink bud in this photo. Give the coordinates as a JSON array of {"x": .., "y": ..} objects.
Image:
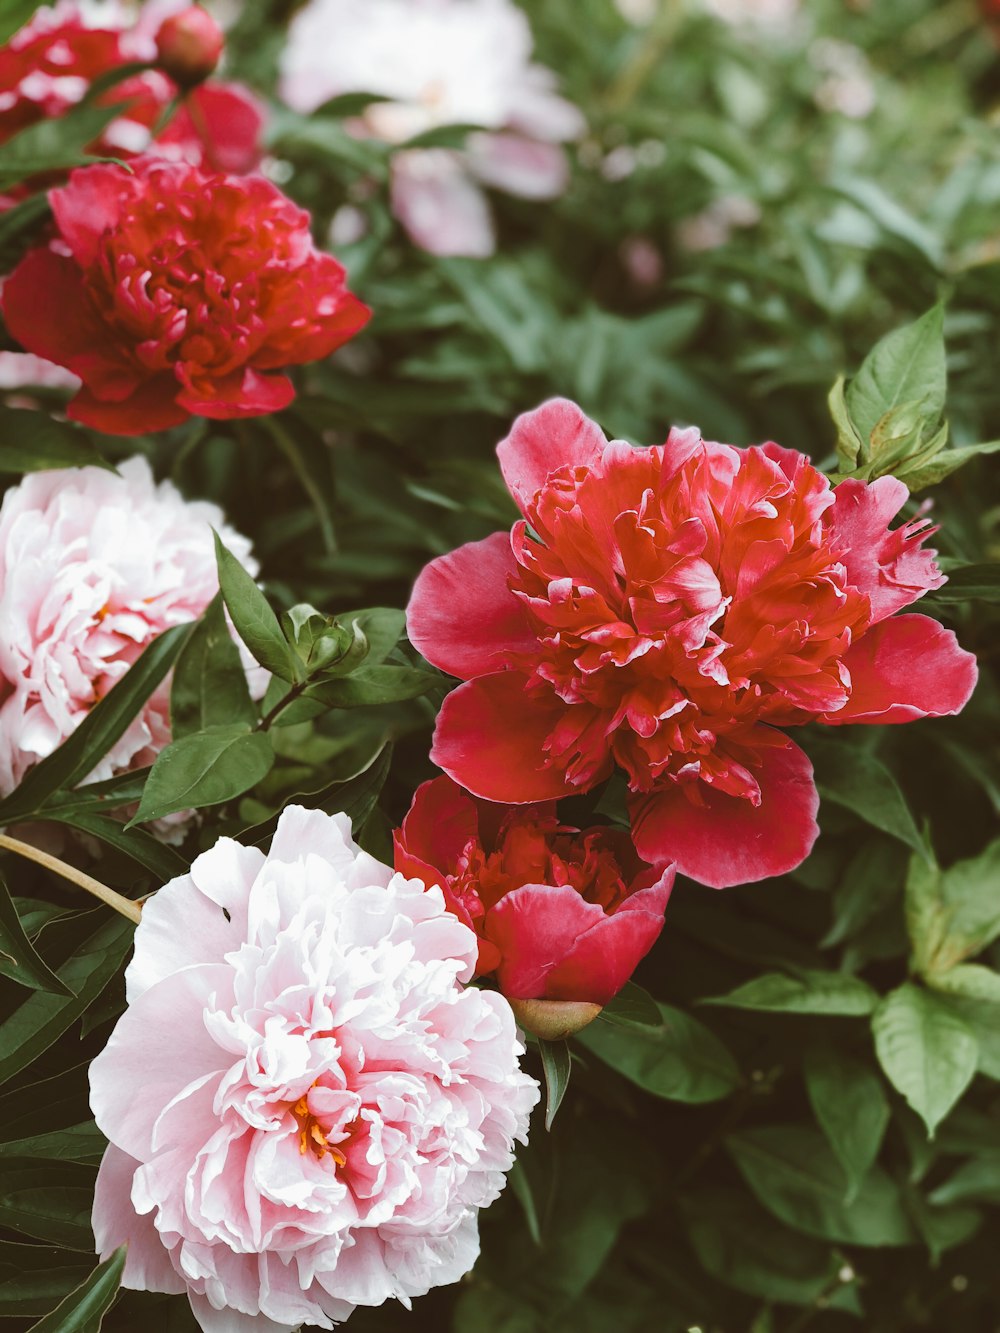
[{"x": 189, "y": 45}]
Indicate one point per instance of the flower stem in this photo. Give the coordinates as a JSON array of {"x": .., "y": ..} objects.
[{"x": 123, "y": 905}]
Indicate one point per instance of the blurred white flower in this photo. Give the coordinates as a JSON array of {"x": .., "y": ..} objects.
[
  {"x": 439, "y": 63},
  {"x": 714, "y": 225},
  {"x": 848, "y": 86}
]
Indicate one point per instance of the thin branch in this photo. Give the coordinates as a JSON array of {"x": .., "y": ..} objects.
[{"x": 121, "y": 904}]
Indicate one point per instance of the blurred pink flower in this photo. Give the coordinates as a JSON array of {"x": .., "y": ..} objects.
[
  {"x": 439, "y": 63},
  {"x": 306, "y": 1108},
  {"x": 93, "y": 566}
]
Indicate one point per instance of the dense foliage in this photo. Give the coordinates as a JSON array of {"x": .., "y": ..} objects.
[{"x": 775, "y": 230}]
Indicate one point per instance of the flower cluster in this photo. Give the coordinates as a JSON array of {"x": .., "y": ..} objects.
[
  {"x": 93, "y": 566},
  {"x": 51, "y": 63},
  {"x": 182, "y": 292},
  {"x": 437, "y": 63},
  {"x": 306, "y": 1109},
  {"x": 667, "y": 611}
]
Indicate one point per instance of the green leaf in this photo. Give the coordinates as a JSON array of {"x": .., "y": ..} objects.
[
  {"x": 43, "y": 1018},
  {"x": 205, "y": 769},
  {"x": 28, "y": 967},
  {"x": 53, "y": 144},
  {"x": 84, "y": 1309},
  {"x": 34, "y": 1277},
  {"x": 33, "y": 442},
  {"x": 794, "y": 1174},
  {"x": 255, "y": 622},
  {"x": 849, "y": 1102},
  {"x": 371, "y": 685},
  {"x": 861, "y": 783},
  {"x": 77, "y": 1143},
  {"x": 556, "y": 1064},
  {"x": 944, "y": 463},
  {"x": 906, "y": 365},
  {"x": 851, "y": 448},
  {"x": 356, "y": 797},
  {"x": 98, "y": 732},
  {"x": 972, "y": 980},
  {"x": 15, "y": 14},
  {"x": 159, "y": 858},
  {"x": 975, "y": 1181},
  {"x": 209, "y": 688},
  {"x": 928, "y": 1053},
  {"x": 679, "y": 1059},
  {"x": 809, "y": 992},
  {"x": 970, "y": 583},
  {"x": 51, "y": 1202},
  {"x": 518, "y": 1180},
  {"x": 631, "y": 1007},
  {"x": 971, "y": 900},
  {"x": 382, "y": 626}
]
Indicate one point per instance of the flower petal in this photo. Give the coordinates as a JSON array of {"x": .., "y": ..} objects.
[
  {"x": 444, "y": 211},
  {"x": 727, "y": 840},
  {"x": 557, "y": 434},
  {"x": 151, "y": 407},
  {"x": 555, "y": 945},
  {"x": 490, "y": 737},
  {"x": 439, "y": 825},
  {"x": 905, "y": 668},
  {"x": 462, "y": 616},
  {"x": 115, "y": 1222}
]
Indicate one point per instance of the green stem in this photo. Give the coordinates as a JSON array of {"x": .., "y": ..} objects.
[
  {"x": 123, "y": 905},
  {"x": 267, "y": 721},
  {"x": 293, "y": 453}
]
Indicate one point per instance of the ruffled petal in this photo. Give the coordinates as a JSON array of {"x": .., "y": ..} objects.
[
  {"x": 115, "y": 1222},
  {"x": 905, "y": 668},
  {"x": 439, "y": 825},
  {"x": 490, "y": 737},
  {"x": 727, "y": 840},
  {"x": 557, "y": 434},
  {"x": 462, "y": 616}
]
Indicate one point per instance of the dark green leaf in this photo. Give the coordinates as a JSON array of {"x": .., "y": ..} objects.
[
  {"x": 255, "y": 622},
  {"x": 53, "y": 144},
  {"x": 679, "y": 1059},
  {"x": 209, "y": 688},
  {"x": 793, "y": 1173},
  {"x": 33, "y": 442},
  {"x": 84, "y": 1309},
  {"x": 374, "y": 685},
  {"x": 76, "y": 1143},
  {"x": 52, "y": 1203},
  {"x": 159, "y": 858},
  {"x": 861, "y": 783},
  {"x": 849, "y": 1102},
  {"x": 631, "y": 1007},
  {"x": 27, "y": 966},
  {"x": 34, "y": 1277},
  {"x": 356, "y": 797},
  {"x": 42, "y": 1018},
  {"x": 808, "y": 992},
  {"x": 556, "y": 1064},
  {"x": 205, "y": 769},
  {"x": 970, "y": 582}
]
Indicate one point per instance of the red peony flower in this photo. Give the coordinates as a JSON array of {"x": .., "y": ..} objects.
[
  {"x": 181, "y": 293},
  {"x": 667, "y": 610},
  {"x": 560, "y": 914},
  {"x": 49, "y": 65}
]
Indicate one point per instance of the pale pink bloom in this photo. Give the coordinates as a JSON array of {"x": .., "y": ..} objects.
[
  {"x": 21, "y": 370},
  {"x": 306, "y": 1108},
  {"x": 714, "y": 225},
  {"x": 847, "y": 85},
  {"x": 439, "y": 62},
  {"x": 93, "y": 566}
]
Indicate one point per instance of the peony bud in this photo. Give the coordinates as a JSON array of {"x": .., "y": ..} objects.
[
  {"x": 188, "y": 45},
  {"x": 554, "y": 1020}
]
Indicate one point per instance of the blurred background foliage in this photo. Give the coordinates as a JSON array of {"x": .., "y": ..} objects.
[{"x": 756, "y": 202}]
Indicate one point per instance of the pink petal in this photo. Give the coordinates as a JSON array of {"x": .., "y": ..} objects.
[
  {"x": 440, "y": 823},
  {"x": 152, "y": 407},
  {"x": 555, "y": 435},
  {"x": 88, "y": 205},
  {"x": 444, "y": 211},
  {"x": 227, "y": 1320},
  {"x": 886, "y": 564},
  {"x": 557, "y": 946},
  {"x": 490, "y": 737},
  {"x": 115, "y": 1222},
  {"x": 727, "y": 840},
  {"x": 244, "y": 393},
  {"x": 518, "y": 165},
  {"x": 905, "y": 668},
  {"x": 462, "y": 616}
]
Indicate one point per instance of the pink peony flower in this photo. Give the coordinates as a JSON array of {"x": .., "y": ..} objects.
[
  {"x": 439, "y": 62},
  {"x": 48, "y": 66},
  {"x": 667, "y": 610},
  {"x": 181, "y": 293},
  {"x": 560, "y": 914},
  {"x": 305, "y": 1108},
  {"x": 93, "y": 566}
]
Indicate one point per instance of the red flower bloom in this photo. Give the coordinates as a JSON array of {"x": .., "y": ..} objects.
[
  {"x": 667, "y": 610},
  {"x": 48, "y": 66},
  {"x": 181, "y": 293},
  {"x": 560, "y": 915},
  {"x": 189, "y": 45}
]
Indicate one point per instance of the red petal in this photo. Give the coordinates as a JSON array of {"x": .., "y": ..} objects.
[
  {"x": 88, "y": 205},
  {"x": 153, "y": 406},
  {"x": 47, "y": 311},
  {"x": 554, "y": 435},
  {"x": 490, "y": 737},
  {"x": 245, "y": 393},
  {"x": 728, "y": 840},
  {"x": 905, "y": 668},
  {"x": 555, "y": 945},
  {"x": 462, "y": 616},
  {"x": 438, "y": 826}
]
